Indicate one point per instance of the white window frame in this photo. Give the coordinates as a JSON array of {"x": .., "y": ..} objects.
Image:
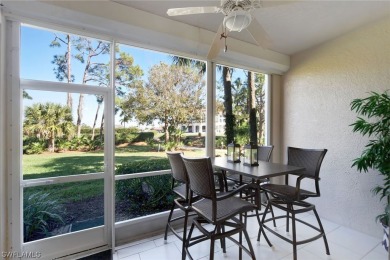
[{"x": 120, "y": 232}]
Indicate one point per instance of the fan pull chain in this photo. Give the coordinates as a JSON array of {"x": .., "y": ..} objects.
[{"x": 224, "y": 35}]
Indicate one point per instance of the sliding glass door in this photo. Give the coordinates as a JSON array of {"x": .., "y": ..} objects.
[{"x": 62, "y": 113}]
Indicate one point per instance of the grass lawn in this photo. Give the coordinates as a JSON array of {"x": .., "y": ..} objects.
[
  {"x": 71, "y": 163},
  {"x": 82, "y": 201}
]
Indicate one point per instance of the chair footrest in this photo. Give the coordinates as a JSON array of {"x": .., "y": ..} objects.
[{"x": 300, "y": 242}]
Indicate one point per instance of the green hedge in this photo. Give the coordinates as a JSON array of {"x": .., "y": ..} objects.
[
  {"x": 146, "y": 195},
  {"x": 129, "y": 136}
]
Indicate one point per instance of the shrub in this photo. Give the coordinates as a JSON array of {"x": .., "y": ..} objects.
[
  {"x": 172, "y": 145},
  {"x": 124, "y": 137},
  {"x": 40, "y": 215},
  {"x": 242, "y": 134},
  {"x": 145, "y": 195},
  {"x": 142, "y": 137},
  {"x": 152, "y": 143},
  {"x": 143, "y": 166},
  {"x": 63, "y": 144},
  {"x": 96, "y": 144},
  {"x": 32, "y": 145},
  {"x": 220, "y": 142},
  {"x": 129, "y": 135}
]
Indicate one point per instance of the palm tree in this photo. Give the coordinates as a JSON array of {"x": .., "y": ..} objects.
[
  {"x": 181, "y": 61},
  {"x": 230, "y": 118},
  {"x": 252, "y": 107},
  {"x": 48, "y": 121}
]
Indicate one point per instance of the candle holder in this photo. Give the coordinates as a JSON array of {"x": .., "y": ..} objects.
[
  {"x": 250, "y": 154},
  {"x": 233, "y": 152}
]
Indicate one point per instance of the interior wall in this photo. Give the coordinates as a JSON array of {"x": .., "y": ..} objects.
[{"x": 317, "y": 92}]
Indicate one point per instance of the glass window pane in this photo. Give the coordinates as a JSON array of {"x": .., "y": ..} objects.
[
  {"x": 160, "y": 103},
  {"x": 240, "y": 93},
  {"x": 58, "y": 209},
  {"x": 59, "y": 141},
  {"x": 63, "y": 57},
  {"x": 142, "y": 196}
]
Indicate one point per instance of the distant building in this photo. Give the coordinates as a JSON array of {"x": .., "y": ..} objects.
[{"x": 200, "y": 126}]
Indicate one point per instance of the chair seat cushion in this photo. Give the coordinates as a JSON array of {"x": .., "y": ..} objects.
[
  {"x": 286, "y": 192},
  {"x": 225, "y": 208}
]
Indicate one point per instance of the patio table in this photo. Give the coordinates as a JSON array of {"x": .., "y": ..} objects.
[{"x": 263, "y": 171}]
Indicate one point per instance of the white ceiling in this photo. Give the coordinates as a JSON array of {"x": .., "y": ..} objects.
[{"x": 292, "y": 26}]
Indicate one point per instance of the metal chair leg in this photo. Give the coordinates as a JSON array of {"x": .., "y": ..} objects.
[
  {"x": 294, "y": 242},
  {"x": 323, "y": 231},
  {"x": 271, "y": 209},
  {"x": 261, "y": 229},
  {"x": 183, "y": 251},
  {"x": 169, "y": 220}
]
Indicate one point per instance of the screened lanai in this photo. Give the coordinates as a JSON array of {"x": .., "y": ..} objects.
[{"x": 309, "y": 60}]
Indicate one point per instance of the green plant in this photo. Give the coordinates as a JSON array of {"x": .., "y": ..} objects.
[
  {"x": 146, "y": 195},
  {"x": 41, "y": 214},
  {"x": 171, "y": 145},
  {"x": 151, "y": 142},
  {"x": 376, "y": 155},
  {"x": 32, "y": 145},
  {"x": 220, "y": 142}
]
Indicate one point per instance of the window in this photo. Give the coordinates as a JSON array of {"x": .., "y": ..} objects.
[
  {"x": 239, "y": 93},
  {"x": 159, "y": 99}
]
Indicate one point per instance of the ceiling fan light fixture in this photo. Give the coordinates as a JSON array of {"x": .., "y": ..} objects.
[{"x": 237, "y": 20}]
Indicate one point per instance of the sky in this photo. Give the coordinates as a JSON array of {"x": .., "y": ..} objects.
[{"x": 36, "y": 63}]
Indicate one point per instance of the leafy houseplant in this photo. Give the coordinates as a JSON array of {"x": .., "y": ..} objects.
[{"x": 374, "y": 121}]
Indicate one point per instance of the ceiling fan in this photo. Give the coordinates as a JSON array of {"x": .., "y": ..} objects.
[{"x": 237, "y": 18}]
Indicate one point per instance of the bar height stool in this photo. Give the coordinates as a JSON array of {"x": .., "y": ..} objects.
[
  {"x": 291, "y": 198},
  {"x": 180, "y": 186},
  {"x": 217, "y": 209}
]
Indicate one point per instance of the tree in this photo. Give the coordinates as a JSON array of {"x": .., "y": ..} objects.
[
  {"x": 181, "y": 61},
  {"x": 126, "y": 75},
  {"x": 48, "y": 121},
  {"x": 260, "y": 103},
  {"x": 63, "y": 62},
  {"x": 240, "y": 101},
  {"x": 99, "y": 100},
  {"x": 173, "y": 95},
  {"x": 86, "y": 51},
  {"x": 26, "y": 95},
  {"x": 228, "y": 101},
  {"x": 252, "y": 107}
]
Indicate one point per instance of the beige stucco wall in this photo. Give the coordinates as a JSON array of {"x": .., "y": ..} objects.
[{"x": 317, "y": 91}]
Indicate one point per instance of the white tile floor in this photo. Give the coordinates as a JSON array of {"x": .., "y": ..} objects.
[{"x": 344, "y": 244}]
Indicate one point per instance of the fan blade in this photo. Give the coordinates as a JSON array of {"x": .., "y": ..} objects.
[
  {"x": 217, "y": 44},
  {"x": 259, "y": 34},
  {"x": 193, "y": 10}
]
